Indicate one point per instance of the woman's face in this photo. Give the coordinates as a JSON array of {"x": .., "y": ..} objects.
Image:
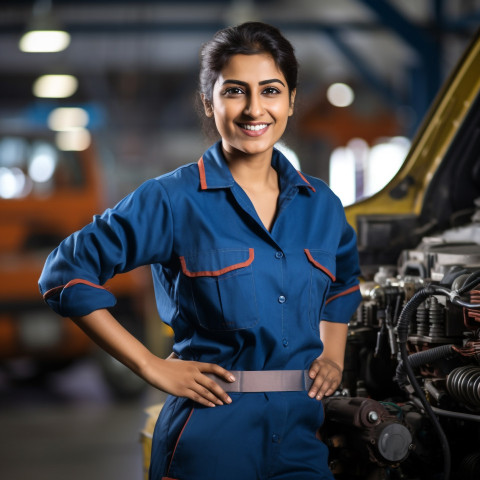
[{"x": 251, "y": 104}]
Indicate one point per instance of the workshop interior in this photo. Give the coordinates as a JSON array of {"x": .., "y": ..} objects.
[{"x": 387, "y": 113}]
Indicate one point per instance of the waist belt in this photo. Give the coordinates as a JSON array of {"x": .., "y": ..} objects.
[{"x": 266, "y": 381}]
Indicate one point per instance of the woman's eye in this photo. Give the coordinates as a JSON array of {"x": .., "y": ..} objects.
[
  {"x": 233, "y": 91},
  {"x": 271, "y": 91}
]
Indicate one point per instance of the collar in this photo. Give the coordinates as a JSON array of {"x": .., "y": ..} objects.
[{"x": 214, "y": 172}]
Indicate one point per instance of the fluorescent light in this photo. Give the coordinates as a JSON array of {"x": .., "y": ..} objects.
[
  {"x": 43, "y": 162},
  {"x": 67, "y": 118},
  {"x": 55, "y": 86},
  {"x": 73, "y": 140},
  {"x": 44, "y": 41},
  {"x": 340, "y": 95},
  {"x": 342, "y": 174},
  {"x": 41, "y": 168}
]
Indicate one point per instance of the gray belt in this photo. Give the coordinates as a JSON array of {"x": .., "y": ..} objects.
[{"x": 266, "y": 381}]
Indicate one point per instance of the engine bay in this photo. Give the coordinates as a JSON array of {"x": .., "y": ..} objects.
[{"x": 409, "y": 404}]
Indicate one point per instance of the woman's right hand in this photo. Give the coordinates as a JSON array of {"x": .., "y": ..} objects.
[{"x": 184, "y": 378}]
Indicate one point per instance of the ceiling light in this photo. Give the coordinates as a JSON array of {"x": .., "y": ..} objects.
[
  {"x": 55, "y": 86},
  {"x": 340, "y": 95},
  {"x": 67, "y": 118},
  {"x": 44, "y": 41},
  {"x": 44, "y": 33},
  {"x": 73, "y": 140}
]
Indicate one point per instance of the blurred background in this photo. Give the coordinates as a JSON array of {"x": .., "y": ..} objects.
[{"x": 97, "y": 96}]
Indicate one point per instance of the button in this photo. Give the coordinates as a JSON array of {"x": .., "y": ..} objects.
[
  {"x": 278, "y": 254},
  {"x": 275, "y": 438},
  {"x": 282, "y": 299},
  {"x": 285, "y": 342}
]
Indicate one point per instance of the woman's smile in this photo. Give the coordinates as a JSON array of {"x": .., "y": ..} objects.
[{"x": 252, "y": 129}]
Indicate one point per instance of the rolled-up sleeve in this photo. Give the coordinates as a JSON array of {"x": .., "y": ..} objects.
[
  {"x": 344, "y": 293},
  {"x": 137, "y": 231}
]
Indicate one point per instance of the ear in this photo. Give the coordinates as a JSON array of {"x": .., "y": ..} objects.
[
  {"x": 292, "y": 101},
  {"x": 207, "y": 105}
]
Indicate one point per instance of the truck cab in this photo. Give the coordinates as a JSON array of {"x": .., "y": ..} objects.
[{"x": 45, "y": 195}]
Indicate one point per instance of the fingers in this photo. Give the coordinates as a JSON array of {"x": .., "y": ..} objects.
[
  {"x": 219, "y": 372},
  {"x": 211, "y": 386},
  {"x": 209, "y": 390},
  {"x": 200, "y": 394},
  {"x": 203, "y": 389},
  {"x": 327, "y": 378}
]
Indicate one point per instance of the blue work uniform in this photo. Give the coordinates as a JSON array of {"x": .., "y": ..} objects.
[{"x": 235, "y": 294}]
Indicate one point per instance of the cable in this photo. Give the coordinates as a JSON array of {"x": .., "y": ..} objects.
[
  {"x": 402, "y": 329},
  {"x": 448, "y": 413},
  {"x": 421, "y": 358},
  {"x": 472, "y": 281}
]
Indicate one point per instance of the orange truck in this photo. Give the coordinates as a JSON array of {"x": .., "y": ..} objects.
[{"x": 45, "y": 195}]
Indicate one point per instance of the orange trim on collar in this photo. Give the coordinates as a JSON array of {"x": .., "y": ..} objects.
[
  {"x": 216, "y": 273},
  {"x": 319, "y": 265},
  {"x": 346, "y": 292},
  {"x": 305, "y": 180},
  {"x": 201, "y": 171},
  {"x": 53, "y": 291}
]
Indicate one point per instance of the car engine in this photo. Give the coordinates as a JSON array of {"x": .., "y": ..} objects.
[{"x": 409, "y": 404}]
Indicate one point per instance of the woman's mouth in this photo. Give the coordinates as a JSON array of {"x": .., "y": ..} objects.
[{"x": 253, "y": 129}]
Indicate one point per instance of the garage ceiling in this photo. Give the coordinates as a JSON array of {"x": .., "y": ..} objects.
[{"x": 137, "y": 60}]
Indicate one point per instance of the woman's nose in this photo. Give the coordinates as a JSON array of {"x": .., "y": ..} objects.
[{"x": 254, "y": 106}]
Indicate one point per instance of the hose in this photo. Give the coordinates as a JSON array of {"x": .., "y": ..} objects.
[
  {"x": 472, "y": 281},
  {"x": 421, "y": 358},
  {"x": 448, "y": 413},
  {"x": 402, "y": 329}
]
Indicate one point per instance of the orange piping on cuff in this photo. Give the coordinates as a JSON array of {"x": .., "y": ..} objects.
[
  {"x": 71, "y": 283},
  {"x": 341, "y": 294}
]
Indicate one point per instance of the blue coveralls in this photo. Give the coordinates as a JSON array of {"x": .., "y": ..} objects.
[{"x": 235, "y": 294}]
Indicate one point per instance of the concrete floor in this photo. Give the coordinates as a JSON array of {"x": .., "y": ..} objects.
[{"x": 70, "y": 427}]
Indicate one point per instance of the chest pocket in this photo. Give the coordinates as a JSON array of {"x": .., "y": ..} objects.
[
  {"x": 322, "y": 274},
  {"x": 223, "y": 288}
]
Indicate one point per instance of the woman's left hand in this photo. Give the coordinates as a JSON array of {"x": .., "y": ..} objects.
[{"x": 326, "y": 375}]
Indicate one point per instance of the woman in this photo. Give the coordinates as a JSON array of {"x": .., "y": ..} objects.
[{"x": 255, "y": 269}]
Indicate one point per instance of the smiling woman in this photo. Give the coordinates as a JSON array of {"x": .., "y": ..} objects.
[
  {"x": 255, "y": 269},
  {"x": 251, "y": 104}
]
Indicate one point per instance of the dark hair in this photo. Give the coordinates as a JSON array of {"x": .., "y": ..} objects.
[{"x": 249, "y": 38}]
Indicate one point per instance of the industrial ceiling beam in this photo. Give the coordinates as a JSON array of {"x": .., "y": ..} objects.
[{"x": 427, "y": 74}]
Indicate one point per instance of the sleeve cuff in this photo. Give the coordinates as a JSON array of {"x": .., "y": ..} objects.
[
  {"x": 340, "y": 307},
  {"x": 78, "y": 298}
]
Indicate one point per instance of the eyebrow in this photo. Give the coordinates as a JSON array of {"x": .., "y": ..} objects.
[{"x": 245, "y": 84}]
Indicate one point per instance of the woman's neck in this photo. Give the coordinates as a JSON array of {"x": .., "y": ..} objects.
[{"x": 252, "y": 172}]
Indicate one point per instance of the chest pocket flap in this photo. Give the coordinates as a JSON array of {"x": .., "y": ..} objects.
[
  {"x": 322, "y": 260},
  {"x": 213, "y": 263},
  {"x": 222, "y": 287}
]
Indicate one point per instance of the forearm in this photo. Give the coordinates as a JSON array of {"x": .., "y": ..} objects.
[
  {"x": 334, "y": 338},
  {"x": 109, "y": 334},
  {"x": 174, "y": 376}
]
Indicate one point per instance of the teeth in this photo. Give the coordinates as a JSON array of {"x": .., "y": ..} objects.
[{"x": 255, "y": 128}]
